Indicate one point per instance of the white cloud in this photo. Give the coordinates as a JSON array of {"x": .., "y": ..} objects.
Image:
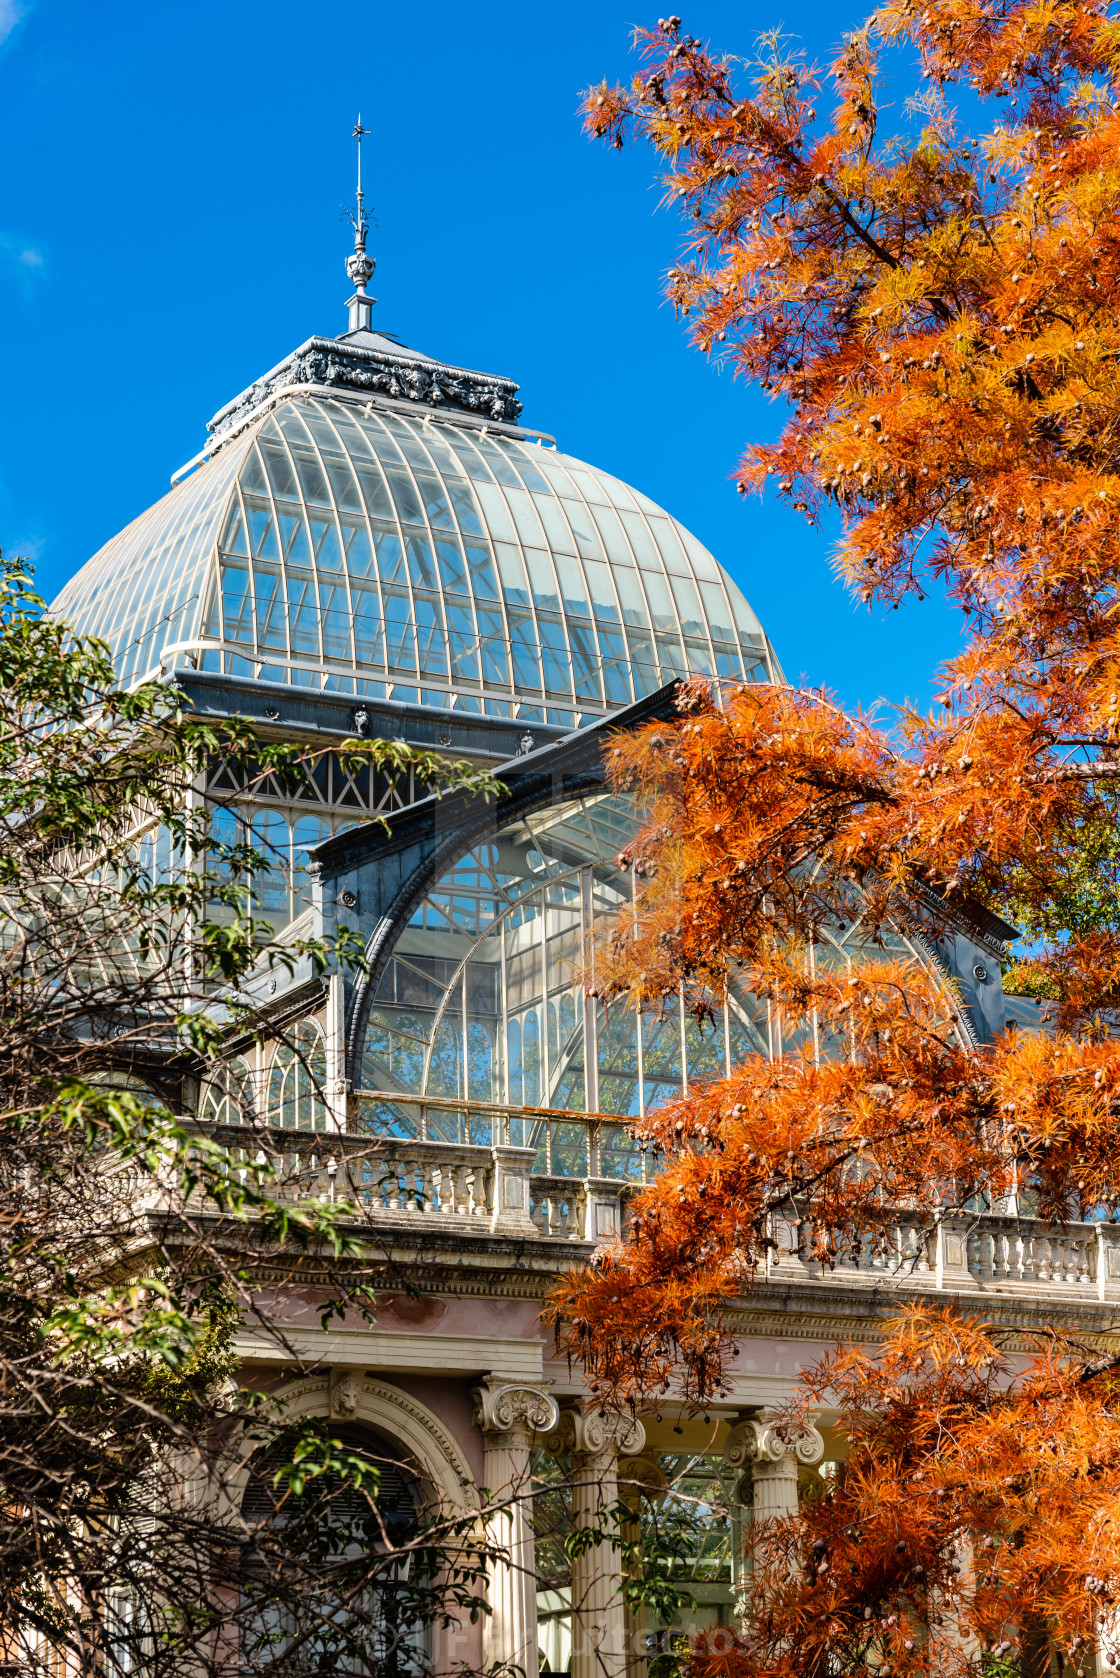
[
  {"x": 22, "y": 263},
  {"x": 10, "y": 13}
]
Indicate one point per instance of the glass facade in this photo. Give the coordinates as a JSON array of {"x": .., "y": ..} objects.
[
  {"x": 376, "y": 554},
  {"x": 481, "y": 1000},
  {"x": 295, "y": 1081}
]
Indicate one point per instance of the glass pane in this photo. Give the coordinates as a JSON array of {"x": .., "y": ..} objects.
[
  {"x": 312, "y": 478},
  {"x": 400, "y": 636},
  {"x": 525, "y": 518},
  {"x": 716, "y": 612},
  {"x": 556, "y": 528},
  {"x": 237, "y": 603},
  {"x": 660, "y": 603},
  {"x": 492, "y": 647},
  {"x": 557, "y": 669},
  {"x": 234, "y": 540},
  {"x": 431, "y": 638},
  {"x": 452, "y": 571},
  {"x": 542, "y": 580},
  {"x": 618, "y": 1061},
  {"x": 619, "y": 1154},
  {"x": 369, "y": 646},
  {"x": 480, "y": 569},
  {"x": 271, "y": 622},
  {"x": 499, "y": 523},
  {"x": 602, "y": 593},
  {"x": 405, "y": 495},
  {"x": 569, "y": 1150},
  {"x": 688, "y": 603},
  {"x": 334, "y": 608},
  {"x": 511, "y": 569},
  {"x": 463, "y": 642},
  {"x": 614, "y": 540}
]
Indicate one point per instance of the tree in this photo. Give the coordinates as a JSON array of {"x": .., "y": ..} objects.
[
  {"x": 940, "y": 313},
  {"x": 130, "y": 1251}
]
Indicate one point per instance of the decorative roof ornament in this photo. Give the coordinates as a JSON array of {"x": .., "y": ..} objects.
[{"x": 360, "y": 266}]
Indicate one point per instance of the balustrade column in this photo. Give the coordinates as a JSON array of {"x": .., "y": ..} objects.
[
  {"x": 594, "y": 1441},
  {"x": 509, "y": 1414}
]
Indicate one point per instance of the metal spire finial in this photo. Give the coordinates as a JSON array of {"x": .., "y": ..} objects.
[{"x": 360, "y": 266}]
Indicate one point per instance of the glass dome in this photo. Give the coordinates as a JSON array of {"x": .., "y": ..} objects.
[{"x": 339, "y": 546}]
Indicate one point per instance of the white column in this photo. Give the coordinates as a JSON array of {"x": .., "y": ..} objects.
[
  {"x": 638, "y": 1477},
  {"x": 509, "y": 1414},
  {"x": 771, "y": 1456},
  {"x": 336, "y": 1088},
  {"x": 594, "y": 1441}
]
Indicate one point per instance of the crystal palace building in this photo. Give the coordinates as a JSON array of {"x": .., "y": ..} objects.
[{"x": 373, "y": 544}]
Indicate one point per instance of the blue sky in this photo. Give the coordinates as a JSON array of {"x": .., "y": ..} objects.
[{"x": 169, "y": 229}]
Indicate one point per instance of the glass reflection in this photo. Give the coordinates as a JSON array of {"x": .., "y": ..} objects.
[{"x": 480, "y": 999}]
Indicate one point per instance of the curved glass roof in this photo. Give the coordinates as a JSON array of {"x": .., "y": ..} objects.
[
  {"x": 341, "y": 546},
  {"x": 142, "y": 591}
]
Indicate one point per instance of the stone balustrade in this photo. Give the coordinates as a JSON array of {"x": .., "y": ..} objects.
[
  {"x": 471, "y": 1188},
  {"x": 964, "y": 1252},
  {"x": 1008, "y": 1250}
]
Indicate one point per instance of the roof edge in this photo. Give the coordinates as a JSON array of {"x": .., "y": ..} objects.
[{"x": 393, "y": 371}]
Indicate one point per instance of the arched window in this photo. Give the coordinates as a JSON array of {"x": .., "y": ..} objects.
[
  {"x": 331, "y": 1581},
  {"x": 227, "y": 1097},
  {"x": 306, "y": 831},
  {"x": 482, "y": 1000},
  {"x": 295, "y": 1082}
]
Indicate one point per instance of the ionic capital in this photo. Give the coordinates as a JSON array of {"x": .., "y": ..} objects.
[
  {"x": 511, "y": 1407},
  {"x": 763, "y": 1440},
  {"x": 586, "y": 1432},
  {"x": 639, "y": 1477}
]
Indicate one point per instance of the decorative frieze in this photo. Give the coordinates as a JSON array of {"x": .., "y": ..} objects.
[{"x": 333, "y": 363}]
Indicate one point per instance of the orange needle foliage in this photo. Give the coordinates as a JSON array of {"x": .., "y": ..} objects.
[
  {"x": 941, "y": 315},
  {"x": 973, "y": 1520}
]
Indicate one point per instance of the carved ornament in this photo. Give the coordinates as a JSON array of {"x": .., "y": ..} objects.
[
  {"x": 345, "y": 1395},
  {"x": 587, "y": 1432},
  {"x": 513, "y": 1407},
  {"x": 760, "y": 1441},
  {"x": 327, "y": 362},
  {"x": 639, "y": 1477}
]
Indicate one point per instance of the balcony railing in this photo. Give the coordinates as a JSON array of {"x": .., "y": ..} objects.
[
  {"x": 986, "y": 1251},
  {"x": 564, "y": 1143},
  {"x": 435, "y": 1165}
]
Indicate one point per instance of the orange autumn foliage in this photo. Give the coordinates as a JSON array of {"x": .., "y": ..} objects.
[
  {"x": 941, "y": 315},
  {"x": 975, "y": 1514}
]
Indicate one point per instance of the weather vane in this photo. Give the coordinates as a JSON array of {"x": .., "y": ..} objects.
[{"x": 359, "y": 266}]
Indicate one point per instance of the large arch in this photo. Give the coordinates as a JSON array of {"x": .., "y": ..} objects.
[
  {"x": 537, "y": 794},
  {"x": 353, "y": 1398}
]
